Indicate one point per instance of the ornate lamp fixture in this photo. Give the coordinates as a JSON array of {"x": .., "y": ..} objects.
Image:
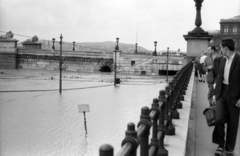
[{"x": 155, "y": 51}]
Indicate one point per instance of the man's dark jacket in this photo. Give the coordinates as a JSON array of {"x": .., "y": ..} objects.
[
  {"x": 216, "y": 66},
  {"x": 234, "y": 80}
]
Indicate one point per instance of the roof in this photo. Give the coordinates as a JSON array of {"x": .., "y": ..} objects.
[{"x": 233, "y": 19}]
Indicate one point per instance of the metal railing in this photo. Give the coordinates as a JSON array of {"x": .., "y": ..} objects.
[{"x": 158, "y": 119}]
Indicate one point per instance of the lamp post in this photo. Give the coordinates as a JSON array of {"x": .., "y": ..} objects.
[
  {"x": 60, "y": 65},
  {"x": 167, "y": 63},
  {"x": 115, "y": 62},
  {"x": 198, "y": 20},
  {"x": 53, "y": 40},
  {"x": 136, "y": 48},
  {"x": 73, "y": 46},
  {"x": 155, "y": 51}
]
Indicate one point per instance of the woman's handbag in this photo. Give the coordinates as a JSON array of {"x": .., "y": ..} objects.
[{"x": 210, "y": 115}]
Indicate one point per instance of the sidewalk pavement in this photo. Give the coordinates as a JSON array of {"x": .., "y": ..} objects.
[{"x": 203, "y": 133}]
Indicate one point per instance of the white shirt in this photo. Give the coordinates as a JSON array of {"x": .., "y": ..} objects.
[
  {"x": 202, "y": 59},
  {"x": 227, "y": 69}
]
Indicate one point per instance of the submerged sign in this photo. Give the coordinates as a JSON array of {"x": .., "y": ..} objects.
[{"x": 83, "y": 108}]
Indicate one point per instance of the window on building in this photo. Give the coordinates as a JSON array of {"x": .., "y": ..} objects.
[
  {"x": 234, "y": 29},
  {"x": 132, "y": 63},
  {"x": 226, "y": 30}
]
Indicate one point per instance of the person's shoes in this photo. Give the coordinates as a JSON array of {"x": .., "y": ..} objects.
[
  {"x": 229, "y": 153},
  {"x": 219, "y": 151}
]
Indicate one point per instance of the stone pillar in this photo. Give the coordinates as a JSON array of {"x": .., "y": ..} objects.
[
  {"x": 29, "y": 45},
  {"x": 8, "y": 53},
  {"x": 32, "y": 43},
  {"x": 197, "y": 39}
]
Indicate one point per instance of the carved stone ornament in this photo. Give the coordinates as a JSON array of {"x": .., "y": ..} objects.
[
  {"x": 34, "y": 39},
  {"x": 9, "y": 35},
  {"x": 198, "y": 20}
]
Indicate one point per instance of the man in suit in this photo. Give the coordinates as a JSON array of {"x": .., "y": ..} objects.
[
  {"x": 227, "y": 93},
  {"x": 208, "y": 68},
  {"x": 211, "y": 67}
]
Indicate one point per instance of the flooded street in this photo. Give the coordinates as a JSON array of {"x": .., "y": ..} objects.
[{"x": 35, "y": 120}]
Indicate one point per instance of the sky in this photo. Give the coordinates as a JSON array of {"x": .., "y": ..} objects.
[{"x": 141, "y": 21}]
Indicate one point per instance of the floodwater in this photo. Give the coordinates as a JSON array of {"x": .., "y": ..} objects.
[{"x": 36, "y": 120}]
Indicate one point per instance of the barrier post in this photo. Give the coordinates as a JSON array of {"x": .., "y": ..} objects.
[
  {"x": 144, "y": 120},
  {"x": 106, "y": 150},
  {"x": 161, "y": 127},
  {"x": 170, "y": 129},
  {"x": 154, "y": 139}
]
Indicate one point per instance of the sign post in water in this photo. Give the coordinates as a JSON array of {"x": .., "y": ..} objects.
[{"x": 83, "y": 108}]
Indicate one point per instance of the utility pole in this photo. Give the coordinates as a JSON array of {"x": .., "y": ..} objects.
[
  {"x": 60, "y": 65},
  {"x": 115, "y": 63},
  {"x": 167, "y": 63}
]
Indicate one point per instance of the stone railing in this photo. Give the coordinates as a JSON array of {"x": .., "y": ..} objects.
[{"x": 158, "y": 119}]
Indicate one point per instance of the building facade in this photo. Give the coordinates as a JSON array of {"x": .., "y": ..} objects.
[{"x": 229, "y": 28}]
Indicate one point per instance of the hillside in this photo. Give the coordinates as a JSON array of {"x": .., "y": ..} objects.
[{"x": 94, "y": 46}]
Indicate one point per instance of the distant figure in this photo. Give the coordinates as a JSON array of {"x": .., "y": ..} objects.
[
  {"x": 202, "y": 72},
  {"x": 227, "y": 94},
  {"x": 197, "y": 67}
]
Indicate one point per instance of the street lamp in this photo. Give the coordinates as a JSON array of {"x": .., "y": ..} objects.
[
  {"x": 136, "y": 48},
  {"x": 115, "y": 65},
  {"x": 167, "y": 62},
  {"x": 73, "y": 46},
  {"x": 155, "y": 51},
  {"x": 53, "y": 40}
]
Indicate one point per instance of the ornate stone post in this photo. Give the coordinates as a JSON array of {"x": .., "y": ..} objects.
[
  {"x": 8, "y": 51},
  {"x": 197, "y": 39}
]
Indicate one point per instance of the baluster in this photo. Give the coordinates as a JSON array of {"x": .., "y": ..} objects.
[
  {"x": 170, "y": 128},
  {"x": 175, "y": 95},
  {"x": 146, "y": 121},
  {"x": 106, "y": 150},
  {"x": 131, "y": 140},
  {"x": 154, "y": 141},
  {"x": 166, "y": 115},
  {"x": 161, "y": 128}
]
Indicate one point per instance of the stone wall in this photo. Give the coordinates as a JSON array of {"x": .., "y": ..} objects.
[
  {"x": 79, "y": 61},
  {"x": 44, "y": 59},
  {"x": 8, "y": 53},
  {"x": 141, "y": 64}
]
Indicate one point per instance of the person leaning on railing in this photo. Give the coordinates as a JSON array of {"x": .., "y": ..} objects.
[
  {"x": 197, "y": 67},
  {"x": 202, "y": 72}
]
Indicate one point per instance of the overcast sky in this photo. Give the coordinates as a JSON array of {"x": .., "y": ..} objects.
[{"x": 165, "y": 21}]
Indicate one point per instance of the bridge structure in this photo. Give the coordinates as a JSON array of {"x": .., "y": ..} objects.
[
  {"x": 31, "y": 56},
  {"x": 172, "y": 116}
]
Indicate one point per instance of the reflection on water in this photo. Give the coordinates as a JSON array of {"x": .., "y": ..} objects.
[{"x": 47, "y": 123}]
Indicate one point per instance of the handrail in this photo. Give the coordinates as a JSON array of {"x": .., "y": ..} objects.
[
  {"x": 125, "y": 150},
  {"x": 158, "y": 118},
  {"x": 141, "y": 129}
]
